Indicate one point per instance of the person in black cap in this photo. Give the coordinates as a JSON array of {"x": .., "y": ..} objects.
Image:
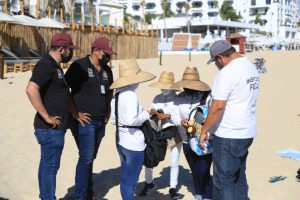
[
  {"x": 233, "y": 119},
  {"x": 89, "y": 79},
  {"x": 48, "y": 93}
]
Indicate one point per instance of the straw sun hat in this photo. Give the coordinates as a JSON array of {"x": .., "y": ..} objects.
[
  {"x": 130, "y": 73},
  {"x": 166, "y": 81},
  {"x": 191, "y": 80}
]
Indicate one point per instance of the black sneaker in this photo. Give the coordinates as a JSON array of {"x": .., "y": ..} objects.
[
  {"x": 173, "y": 194},
  {"x": 148, "y": 188}
]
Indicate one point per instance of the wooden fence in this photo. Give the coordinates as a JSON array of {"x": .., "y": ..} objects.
[{"x": 126, "y": 45}]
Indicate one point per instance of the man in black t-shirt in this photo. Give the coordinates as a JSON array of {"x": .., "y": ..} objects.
[
  {"x": 48, "y": 93},
  {"x": 89, "y": 79}
]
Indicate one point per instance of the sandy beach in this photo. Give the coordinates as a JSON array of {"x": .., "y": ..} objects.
[{"x": 278, "y": 116}]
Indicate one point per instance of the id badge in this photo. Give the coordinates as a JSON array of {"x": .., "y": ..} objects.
[{"x": 102, "y": 89}]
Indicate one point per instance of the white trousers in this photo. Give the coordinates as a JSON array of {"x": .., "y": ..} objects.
[{"x": 174, "y": 165}]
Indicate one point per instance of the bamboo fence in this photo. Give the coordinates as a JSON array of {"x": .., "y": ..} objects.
[{"x": 127, "y": 45}]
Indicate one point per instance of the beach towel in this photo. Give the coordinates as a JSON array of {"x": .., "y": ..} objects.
[{"x": 290, "y": 153}]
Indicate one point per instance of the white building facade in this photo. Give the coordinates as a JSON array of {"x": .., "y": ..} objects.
[{"x": 277, "y": 17}]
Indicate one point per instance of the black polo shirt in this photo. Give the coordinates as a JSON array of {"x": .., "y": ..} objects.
[
  {"x": 90, "y": 88},
  {"x": 54, "y": 91}
]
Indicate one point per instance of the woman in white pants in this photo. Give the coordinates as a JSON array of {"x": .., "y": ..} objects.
[{"x": 164, "y": 102}]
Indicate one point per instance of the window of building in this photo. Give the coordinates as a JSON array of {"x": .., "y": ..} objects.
[
  {"x": 197, "y": 4},
  {"x": 253, "y": 2},
  {"x": 268, "y": 2},
  {"x": 197, "y": 14},
  {"x": 212, "y": 14},
  {"x": 136, "y": 7},
  {"x": 180, "y": 4},
  {"x": 150, "y": 5},
  {"x": 212, "y": 4},
  {"x": 136, "y": 17}
]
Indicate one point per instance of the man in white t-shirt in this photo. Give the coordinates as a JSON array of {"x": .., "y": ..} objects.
[{"x": 232, "y": 115}]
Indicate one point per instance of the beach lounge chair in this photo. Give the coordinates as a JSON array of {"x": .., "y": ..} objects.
[
  {"x": 34, "y": 53},
  {"x": 23, "y": 55},
  {"x": 180, "y": 41},
  {"x": 13, "y": 63}
]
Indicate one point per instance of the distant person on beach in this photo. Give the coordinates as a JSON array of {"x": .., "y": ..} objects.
[
  {"x": 232, "y": 114},
  {"x": 129, "y": 116},
  {"x": 196, "y": 92},
  {"x": 49, "y": 94},
  {"x": 164, "y": 109},
  {"x": 89, "y": 79}
]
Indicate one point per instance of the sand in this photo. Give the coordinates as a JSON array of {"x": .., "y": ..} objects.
[{"x": 278, "y": 114}]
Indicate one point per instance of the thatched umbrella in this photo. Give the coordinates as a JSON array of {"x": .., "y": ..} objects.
[{"x": 4, "y": 18}]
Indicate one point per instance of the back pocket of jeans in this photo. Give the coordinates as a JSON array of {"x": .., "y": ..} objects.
[{"x": 42, "y": 135}]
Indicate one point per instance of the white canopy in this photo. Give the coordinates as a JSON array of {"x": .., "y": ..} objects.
[
  {"x": 25, "y": 20},
  {"x": 51, "y": 23},
  {"x": 6, "y": 18}
]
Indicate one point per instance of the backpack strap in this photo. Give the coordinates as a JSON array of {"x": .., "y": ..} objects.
[
  {"x": 117, "y": 116},
  {"x": 204, "y": 97},
  {"x": 202, "y": 102}
]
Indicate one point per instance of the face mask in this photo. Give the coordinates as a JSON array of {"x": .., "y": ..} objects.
[
  {"x": 134, "y": 86},
  {"x": 105, "y": 59},
  {"x": 189, "y": 91},
  {"x": 65, "y": 59},
  {"x": 166, "y": 92}
]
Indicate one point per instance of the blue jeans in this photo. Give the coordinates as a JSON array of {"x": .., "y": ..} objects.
[
  {"x": 229, "y": 159},
  {"x": 131, "y": 166},
  {"x": 52, "y": 144},
  {"x": 88, "y": 139},
  {"x": 200, "y": 167}
]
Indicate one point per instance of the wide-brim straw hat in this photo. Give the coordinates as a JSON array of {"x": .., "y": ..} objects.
[
  {"x": 130, "y": 73},
  {"x": 166, "y": 81},
  {"x": 191, "y": 80}
]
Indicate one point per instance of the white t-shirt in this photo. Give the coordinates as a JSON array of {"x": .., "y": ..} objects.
[
  {"x": 166, "y": 103},
  {"x": 238, "y": 84},
  {"x": 130, "y": 113}
]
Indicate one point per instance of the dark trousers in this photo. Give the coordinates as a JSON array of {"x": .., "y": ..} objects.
[
  {"x": 88, "y": 139},
  {"x": 230, "y": 156},
  {"x": 200, "y": 167}
]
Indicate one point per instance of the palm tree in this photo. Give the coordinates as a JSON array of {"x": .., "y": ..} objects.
[
  {"x": 164, "y": 6},
  {"x": 149, "y": 17},
  {"x": 187, "y": 8},
  {"x": 142, "y": 3},
  {"x": 228, "y": 12},
  {"x": 167, "y": 12},
  {"x": 258, "y": 19}
]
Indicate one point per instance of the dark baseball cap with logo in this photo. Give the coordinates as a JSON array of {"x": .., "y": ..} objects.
[
  {"x": 62, "y": 40},
  {"x": 104, "y": 45},
  {"x": 217, "y": 48}
]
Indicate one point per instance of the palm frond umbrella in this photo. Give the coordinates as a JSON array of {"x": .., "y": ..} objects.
[
  {"x": 6, "y": 18},
  {"x": 51, "y": 23}
]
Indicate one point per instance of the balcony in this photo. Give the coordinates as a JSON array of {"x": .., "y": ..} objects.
[
  {"x": 212, "y": 14},
  {"x": 213, "y": 5},
  {"x": 150, "y": 5},
  {"x": 180, "y": 4},
  {"x": 197, "y": 14}
]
